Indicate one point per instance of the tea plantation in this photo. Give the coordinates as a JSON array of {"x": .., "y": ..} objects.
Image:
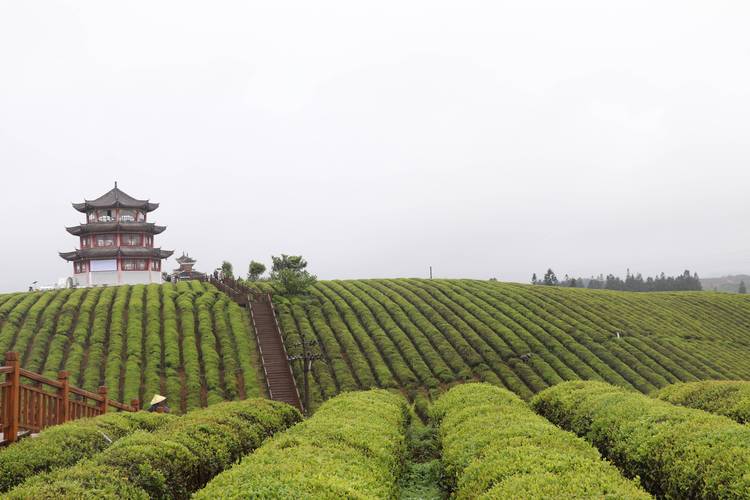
[
  {"x": 192, "y": 343},
  {"x": 423, "y": 335}
]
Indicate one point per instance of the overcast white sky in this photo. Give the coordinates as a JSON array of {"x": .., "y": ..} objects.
[{"x": 378, "y": 138}]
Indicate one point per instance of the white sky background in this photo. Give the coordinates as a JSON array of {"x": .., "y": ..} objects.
[{"x": 378, "y": 138}]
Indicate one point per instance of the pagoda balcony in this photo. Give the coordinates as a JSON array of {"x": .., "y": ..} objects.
[
  {"x": 109, "y": 219},
  {"x": 114, "y": 227}
]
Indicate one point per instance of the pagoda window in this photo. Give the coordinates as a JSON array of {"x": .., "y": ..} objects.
[
  {"x": 104, "y": 215},
  {"x": 156, "y": 265},
  {"x": 81, "y": 266},
  {"x": 131, "y": 240},
  {"x": 91, "y": 216},
  {"x": 85, "y": 242},
  {"x": 134, "y": 265},
  {"x": 105, "y": 240},
  {"x": 127, "y": 215},
  {"x": 148, "y": 241}
]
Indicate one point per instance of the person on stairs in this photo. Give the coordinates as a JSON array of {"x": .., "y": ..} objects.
[{"x": 158, "y": 404}]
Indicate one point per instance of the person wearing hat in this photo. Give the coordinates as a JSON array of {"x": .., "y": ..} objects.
[{"x": 158, "y": 404}]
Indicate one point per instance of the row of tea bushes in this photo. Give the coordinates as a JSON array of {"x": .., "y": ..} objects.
[
  {"x": 494, "y": 446},
  {"x": 352, "y": 447},
  {"x": 64, "y": 445},
  {"x": 730, "y": 398},
  {"x": 677, "y": 452},
  {"x": 171, "y": 462}
]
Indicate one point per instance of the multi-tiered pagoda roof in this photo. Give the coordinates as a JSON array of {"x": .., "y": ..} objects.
[{"x": 114, "y": 198}]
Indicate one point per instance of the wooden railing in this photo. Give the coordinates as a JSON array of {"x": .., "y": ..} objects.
[
  {"x": 238, "y": 291},
  {"x": 30, "y": 402}
]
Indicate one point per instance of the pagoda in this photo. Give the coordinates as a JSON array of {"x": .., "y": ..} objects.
[
  {"x": 116, "y": 242},
  {"x": 186, "y": 271}
]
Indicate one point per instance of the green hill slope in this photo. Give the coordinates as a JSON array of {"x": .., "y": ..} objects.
[
  {"x": 415, "y": 334},
  {"x": 186, "y": 341},
  {"x": 192, "y": 343}
]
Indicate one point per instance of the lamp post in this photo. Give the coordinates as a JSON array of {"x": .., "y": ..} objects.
[{"x": 307, "y": 357}]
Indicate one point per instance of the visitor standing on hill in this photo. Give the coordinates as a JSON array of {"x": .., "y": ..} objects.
[{"x": 158, "y": 404}]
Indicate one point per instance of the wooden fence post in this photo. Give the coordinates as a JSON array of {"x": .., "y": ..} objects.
[
  {"x": 12, "y": 412},
  {"x": 104, "y": 402},
  {"x": 135, "y": 404},
  {"x": 64, "y": 415}
]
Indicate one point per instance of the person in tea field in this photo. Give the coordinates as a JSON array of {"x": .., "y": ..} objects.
[{"x": 158, "y": 404}]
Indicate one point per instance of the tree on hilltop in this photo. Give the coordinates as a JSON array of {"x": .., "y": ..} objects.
[
  {"x": 293, "y": 262},
  {"x": 743, "y": 287},
  {"x": 549, "y": 278},
  {"x": 255, "y": 270},
  {"x": 227, "y": 270},
  {"x": 289, "y": 271}
]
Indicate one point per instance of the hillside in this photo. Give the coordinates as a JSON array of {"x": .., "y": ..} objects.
[
  {"x": 191, "y": 343},
  {"x": 186, "y": 341},
  {"x": 725, "y": 283},
  {"x": 414, "y": 333}
]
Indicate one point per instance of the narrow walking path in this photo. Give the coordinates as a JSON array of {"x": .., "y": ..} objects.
[{"x": 276, "y": 368}]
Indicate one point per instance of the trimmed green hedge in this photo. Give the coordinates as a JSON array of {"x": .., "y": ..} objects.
[
  {"x": 677, "y": 452},
  {"x": 353, "y": 447},
  {"x": 494, "y": 446},
  {"x": 64, "y": 445},
  {"x": 729, "y": 398},
  {"x": 172, "y": 462}
]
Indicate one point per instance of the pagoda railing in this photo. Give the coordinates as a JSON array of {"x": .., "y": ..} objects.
[{"x": 30, "y": 402}]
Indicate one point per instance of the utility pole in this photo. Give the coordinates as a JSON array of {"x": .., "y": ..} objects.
[
  {"x": 430, "y": 272},
  {"x": 309, "y": 354}
]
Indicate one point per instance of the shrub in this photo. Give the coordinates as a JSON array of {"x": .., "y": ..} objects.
[
  {"x": 353, "y": 447},
  {"x": 677, "y": 452},
  {"x": 494, "y": 446},
  {"x": 172, "y": 462},
  {"x": 730, "y": 398},
  {"x": 66, "y": 444}
]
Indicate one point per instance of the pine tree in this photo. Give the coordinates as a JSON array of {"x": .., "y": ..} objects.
[
  {"x": 743, "y": 288},
  {"x": 549, "y": 278}
]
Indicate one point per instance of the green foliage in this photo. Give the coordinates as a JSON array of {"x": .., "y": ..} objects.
[
  {"x": 406, "y": 333},
  {"x": 255, "y": 270},
  {"x": 353, "y": 447},
  {"x": 677, "y": 452},
  {"x": 292, "y": 262},
  {"x": 227, "y": 269},
  {"x": 64, "y": 445},
  {"x": 549, "y": 278},
  {"x": 293, "y": 282},
  {"x": 730, "y": 398},
  {"x": 494, "y": 446},
  {"x": 290, "y": 274},
  {"x": 742, "y": 288},
  {"x": 173, "y": 461}
]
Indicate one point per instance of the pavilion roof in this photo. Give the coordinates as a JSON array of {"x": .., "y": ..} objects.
[
  {"x": 113, "y": 252},
  {"x": 115, "y": 198},
  {"x": 186, "y": 259},
  {"x": 120, "y": 227}
]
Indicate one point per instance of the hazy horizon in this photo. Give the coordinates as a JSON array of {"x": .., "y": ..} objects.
[{"x": 378, "y": 139}]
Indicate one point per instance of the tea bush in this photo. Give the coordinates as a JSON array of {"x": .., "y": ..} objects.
[
  {"x": 494, "y": 446},
  {"x": 677, "y": 452},
  {"x": 352, "y": 447},
  {"x": 730, "y": 398},
  {"x": 171, "y": 462}
]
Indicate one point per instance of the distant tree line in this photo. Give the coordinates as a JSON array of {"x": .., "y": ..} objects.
[{"x": 686, "y": 281}]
